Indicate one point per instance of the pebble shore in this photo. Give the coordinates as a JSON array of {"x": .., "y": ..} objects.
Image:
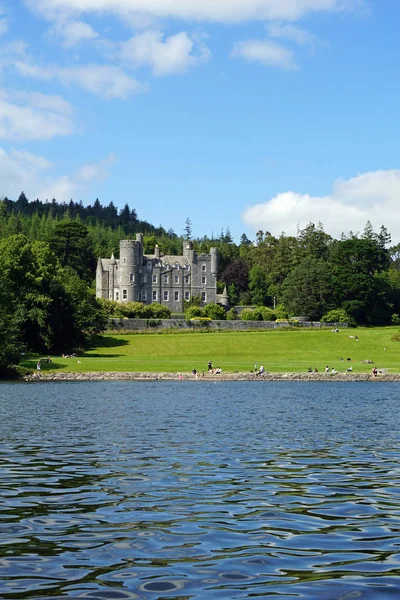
[{"x": 148, "y": 376}]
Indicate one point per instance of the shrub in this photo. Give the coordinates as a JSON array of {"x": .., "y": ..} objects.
[
  {"x": 215, "y": 311},
  {"x": 244, "y": 298},
  {"x": 291, "y": 322},
  {"x": 133, "y": 310},
  {"x": 337, "y": 315},
  {"x": 200, "y": 321},
  {"x": 120, "y": 312},
  {"x": 267, "y": 314},
  {"x": 138, "y": 310},
  {"x": 248, "y": 314},
  {"x": 192, "y": 312},
  {"x": 158, "y": 311},
  {"x": 231, "y": 314},
  {"x": 281, "y": 312},
  {"x": 195, "y": 300},
  {"x": 395, "y": 319},
  {"x": 108, "y": 306}
]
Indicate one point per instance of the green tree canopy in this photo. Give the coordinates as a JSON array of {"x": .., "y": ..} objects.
[
  {"x": 70, "y": 243},
  {"x": 308, "y": 289}
]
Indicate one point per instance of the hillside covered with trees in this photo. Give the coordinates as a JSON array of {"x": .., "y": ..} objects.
[{"x": 48, "y": 254}]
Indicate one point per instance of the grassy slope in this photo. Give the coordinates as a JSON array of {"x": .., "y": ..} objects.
[{"x": 278, "y": 351}]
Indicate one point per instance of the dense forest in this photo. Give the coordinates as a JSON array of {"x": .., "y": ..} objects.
[{"x": 48, "y": 254}]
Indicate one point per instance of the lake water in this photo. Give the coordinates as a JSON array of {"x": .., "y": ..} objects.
[{"x": 200, "y": 490}]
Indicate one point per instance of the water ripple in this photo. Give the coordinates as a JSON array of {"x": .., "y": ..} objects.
[{"x": 178, "y": 490}]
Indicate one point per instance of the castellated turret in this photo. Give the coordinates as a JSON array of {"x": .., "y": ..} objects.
[
  {"x": 128, "y": 269},
  {"x": 112, "y": 274},
  {"x": 188, "y": 251},
  {"x": 139, "y": 241},
  {"x": 214, "y": 261}
]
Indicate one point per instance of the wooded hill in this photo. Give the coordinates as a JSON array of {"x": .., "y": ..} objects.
[{"x": 310, "y": 273}]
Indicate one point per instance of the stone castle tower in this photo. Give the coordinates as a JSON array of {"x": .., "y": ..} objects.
[{"x": 169, "y": 280}]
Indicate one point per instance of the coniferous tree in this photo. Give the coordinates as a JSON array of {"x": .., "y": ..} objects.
[{"x": 188, "y": 229}]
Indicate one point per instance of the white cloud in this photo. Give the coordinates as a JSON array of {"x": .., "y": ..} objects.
[
  {"x": 3, "y": 19},
  {"x": 3, "y": 26},
  {"x": 370, "y": 196},
  {"x": 293, "y": 34},
  {"x": 96, "y": 171},
  {"x": 22, "y": 170},
  {"x": 104, "y": 80},
  {"x": 73, "y": 33},
  {"x": 45, "y": 102},
  {"x": 172, "y": 55},
  {"x": 224, "y": 11},
  {"x": 33, "y": 116},
  {"x": 265, "y": 52}
]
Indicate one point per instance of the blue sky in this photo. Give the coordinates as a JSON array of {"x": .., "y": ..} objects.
[{"x": 247, "y": 114}]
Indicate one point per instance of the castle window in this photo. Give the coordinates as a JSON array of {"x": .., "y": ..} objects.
[
  {"x": 154, "y": 295},
  {"x": 187, "y": 296},
  {"x": 144, "y": 295},
  {"x": 187, "y": 267},
  {"x": 204, "y": 296},
  {"x": 176, "y": 296},
  {"x": 187, "y": 279},
  {"x": 166, "y": 295},
  {"x": 154, "y": 278},
  {"x": 124, "y": 294},
  {"x": 204, "y": 279},
  {"x": 144, "y": 278},
  {"x": 124, "y": 261},
  {"x": 149, "y": 265},
  {"x": 203, "y": 267},
  {"x": 110, "y": 296},
  {"x": 131, "y": 277},
  {"x": 117, "y": 296},
  {"x": 166, "y": 278},
  {"x": 137, "y": 294},
  {"x": 176, "y": 278}
]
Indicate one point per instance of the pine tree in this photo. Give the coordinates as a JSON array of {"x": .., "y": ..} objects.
[{"x": 188, "y": 229}]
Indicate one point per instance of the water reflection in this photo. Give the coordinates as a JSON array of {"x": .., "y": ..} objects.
[{"x": 197, "y": 490}]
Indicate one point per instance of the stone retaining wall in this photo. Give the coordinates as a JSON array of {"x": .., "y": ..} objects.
[
  {"x": 154, "y": 324},
  {"x": 149, "y": 376}
]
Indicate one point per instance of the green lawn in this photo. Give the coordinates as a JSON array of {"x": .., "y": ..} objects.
[{"x": 279, "y": 351}]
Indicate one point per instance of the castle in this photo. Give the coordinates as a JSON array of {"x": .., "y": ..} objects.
[{"x": 169, "y": 280}]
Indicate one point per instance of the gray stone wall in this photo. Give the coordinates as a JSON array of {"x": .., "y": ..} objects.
[{"x": 151, "y": 324}]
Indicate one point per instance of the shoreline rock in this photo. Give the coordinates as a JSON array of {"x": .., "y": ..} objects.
[{"x": 152, "y": 376}]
